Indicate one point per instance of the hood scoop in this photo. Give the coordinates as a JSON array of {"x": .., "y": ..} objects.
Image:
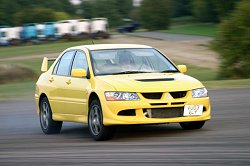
[{"x": 155, "y": 79}]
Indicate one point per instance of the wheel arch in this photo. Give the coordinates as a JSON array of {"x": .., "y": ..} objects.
[
  {"x": 43, "y": 95},
  {"x": 92, "y": 96}
]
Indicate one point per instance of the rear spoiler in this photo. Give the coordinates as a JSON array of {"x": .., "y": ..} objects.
[{"x": 44, "y": 66}]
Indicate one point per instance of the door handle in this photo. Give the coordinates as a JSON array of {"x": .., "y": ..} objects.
[
  {"x": 68, "y": 82},
  {"x": 51, "y": 79}
]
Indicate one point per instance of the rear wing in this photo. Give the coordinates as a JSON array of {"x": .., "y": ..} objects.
[{"x": 44, "y": 66}]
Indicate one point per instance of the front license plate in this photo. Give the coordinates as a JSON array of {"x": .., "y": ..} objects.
[{"x": 193, "y": 110}]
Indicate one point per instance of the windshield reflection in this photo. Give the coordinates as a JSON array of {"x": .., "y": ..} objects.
[{"x": 130, "y": 61}]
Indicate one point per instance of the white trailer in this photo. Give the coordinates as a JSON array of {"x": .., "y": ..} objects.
[
  {"x": 96, "y": 27},
  {"x": 3, "y": 38},
  {"x": 99, "y": 27},
  {"x": 83, "y": 26},
  {"x": 10, "y": 35},
  {"x": 66, "y": 28}
]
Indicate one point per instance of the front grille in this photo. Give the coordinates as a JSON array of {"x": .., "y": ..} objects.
[
  {"x": 179, "y": 94},
  {"x": 164, "y": 112},
  {"x": 152, "y": 95}
]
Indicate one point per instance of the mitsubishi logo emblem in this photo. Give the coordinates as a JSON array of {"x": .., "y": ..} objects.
[{"x": 168, "y": 96}]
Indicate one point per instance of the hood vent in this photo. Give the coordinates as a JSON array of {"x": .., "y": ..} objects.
[{"x": 156, "y": 79}]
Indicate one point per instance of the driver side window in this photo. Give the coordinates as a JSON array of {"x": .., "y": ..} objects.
[
  {"x": 80, "y": 61},
  {"x": 62, "y": 68}
]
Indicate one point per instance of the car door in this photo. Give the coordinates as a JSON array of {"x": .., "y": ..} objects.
[
  {"x": 60, "y": 96},
  {"x": 79, "y": 87}
]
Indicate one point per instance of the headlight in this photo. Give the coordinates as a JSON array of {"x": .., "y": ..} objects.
[
  {"x": 200, "y": 92},
  {"x": 114, "y": 96}
]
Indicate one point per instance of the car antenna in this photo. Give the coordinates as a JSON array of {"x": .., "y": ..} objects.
[{"x": 91, "y": 34}]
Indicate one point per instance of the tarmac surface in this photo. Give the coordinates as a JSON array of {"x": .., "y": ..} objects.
[
  {"x": 224, "y": 140},
  {"x": 168, "y": 36}
]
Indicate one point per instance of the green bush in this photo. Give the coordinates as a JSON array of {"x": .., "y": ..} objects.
[
  {"x": 155, "y": 14},
  {"x": 233, "y": 43},
  {"x": 36, "y": 15},
  {"x": 61, "y": 16},
  {"x": 212, "y": 10},
  {"x": 114, "y": 10},
  {"x": 204, "y": 10}
]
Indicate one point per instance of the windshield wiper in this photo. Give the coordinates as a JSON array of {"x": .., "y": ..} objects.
[
  {"x": 169, "y": 71},
  {"x": 130, "y": 72}
]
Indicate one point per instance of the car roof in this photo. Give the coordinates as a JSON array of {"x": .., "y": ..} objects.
[{"x": 109, "y": 46}]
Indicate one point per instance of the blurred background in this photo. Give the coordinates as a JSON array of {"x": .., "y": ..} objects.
[{"x": 210, "y": 36}]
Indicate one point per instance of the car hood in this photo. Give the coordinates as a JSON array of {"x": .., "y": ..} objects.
[{"x": 151, "y": 82}]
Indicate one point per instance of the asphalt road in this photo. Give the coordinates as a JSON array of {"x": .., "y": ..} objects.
[
  {"x": 167, "y": 36},
  {"x": 225, "y": 140}
]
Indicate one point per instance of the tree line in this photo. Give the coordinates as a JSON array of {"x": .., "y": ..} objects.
[
  {"x": 153, "y": 14},
  {"x": 17, "y": 12}
]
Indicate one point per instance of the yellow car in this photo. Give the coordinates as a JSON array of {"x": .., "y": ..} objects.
[{"x": 106, "y": 85}]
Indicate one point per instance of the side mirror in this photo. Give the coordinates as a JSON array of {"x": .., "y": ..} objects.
[
  {"x": 44, "y": 66},
  {"x": 182, "y": 68},
  {"x": 79, "y": 73}
]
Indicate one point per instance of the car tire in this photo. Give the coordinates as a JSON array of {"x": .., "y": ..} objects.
[
  {"x": 192, "y": 125},
  {"x": 48, "y": 125},
  {"x": 97, "y": 130}
]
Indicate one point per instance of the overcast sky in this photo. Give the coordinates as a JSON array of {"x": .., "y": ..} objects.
[
  {"x": 75, "y": 2},
  {"x": 135, "y": 2}
]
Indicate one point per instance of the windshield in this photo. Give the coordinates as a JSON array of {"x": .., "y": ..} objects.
[{"x": 129, "y": 61}]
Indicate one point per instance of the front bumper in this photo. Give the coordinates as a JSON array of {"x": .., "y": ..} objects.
[{"x": 112, "y": 108}]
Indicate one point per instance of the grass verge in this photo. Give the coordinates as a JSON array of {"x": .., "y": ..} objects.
[
  {"x": 24, "y": 50},
  {"x": 19, "y": 90},
  {"x": 199, "y": 29},
  {"x": 224, "y": 84},
  {"x": 34, "y": 64},
  {"x": 200, "y": 73}
]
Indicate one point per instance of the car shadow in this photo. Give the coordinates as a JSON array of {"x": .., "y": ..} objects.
[{"x": 127, "y": 132}]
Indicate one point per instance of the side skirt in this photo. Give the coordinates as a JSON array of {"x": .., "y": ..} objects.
[{"x": 70, "y": 118}]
